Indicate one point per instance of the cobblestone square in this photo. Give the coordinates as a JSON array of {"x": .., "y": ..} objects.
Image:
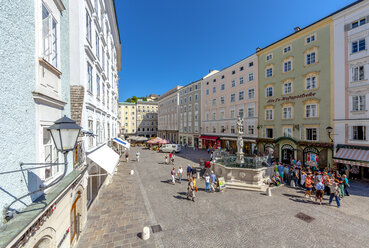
[{"x": 233, "y": 218}]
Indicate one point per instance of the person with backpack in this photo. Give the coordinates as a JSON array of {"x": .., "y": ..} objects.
[
  {"x": 189, "y": 172},
  {"x": 335, "y": 193},
  {"x": 346, "y": 185},
  {"x": 190, "y": 190}
]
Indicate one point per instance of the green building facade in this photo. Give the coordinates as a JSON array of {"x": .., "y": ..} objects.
[{"x": 295, "y": 95}]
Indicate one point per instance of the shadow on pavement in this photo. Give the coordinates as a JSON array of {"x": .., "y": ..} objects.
[{"x": 179, "y": 197}]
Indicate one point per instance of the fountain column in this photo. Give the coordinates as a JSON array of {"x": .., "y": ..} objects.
[{"x": 240, "y": 155}]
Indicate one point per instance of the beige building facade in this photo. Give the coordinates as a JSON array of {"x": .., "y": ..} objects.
[
  {"x": 147, "y": 118},
  {"x": 227, "y": 94}
]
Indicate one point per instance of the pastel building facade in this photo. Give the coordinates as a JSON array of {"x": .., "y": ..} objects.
[
  {"x": 227, "y": 94},
  {"x": 190, "y": 114},
  {"x": 168, "y": 104},
  {"x": 128, "y": 114},
  {"x": 351, "y": 88},
  {"x": 296, "y": 95}
]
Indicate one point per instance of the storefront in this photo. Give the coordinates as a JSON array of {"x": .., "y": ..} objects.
[
  {"x": 353, "y": 156},
  {"x": 230, "y": 144},
  {"x": 210, "y": 142}
]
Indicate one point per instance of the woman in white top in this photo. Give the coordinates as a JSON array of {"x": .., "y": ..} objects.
[
  {"x": 207, "y": 182},
  {"x": 303, "y": 176},
  {"x": 180, "y": 172}
]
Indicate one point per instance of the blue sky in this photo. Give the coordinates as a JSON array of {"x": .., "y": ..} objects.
[{"x": 174, "y": 42}]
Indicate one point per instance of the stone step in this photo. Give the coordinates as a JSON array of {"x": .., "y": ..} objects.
[{"x": 245, "y": 186}]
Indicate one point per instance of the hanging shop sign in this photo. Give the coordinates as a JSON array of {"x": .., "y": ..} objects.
[
  {"x": 288, "y": 147},
  {"x": 289, "y": 98},
  {"x": 311, "y": 156}
]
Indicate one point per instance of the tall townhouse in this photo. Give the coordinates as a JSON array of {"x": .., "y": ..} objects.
[
  {"x": 351, "y": 88},
  {"x": 227, "y": 94},
  {"x": 147, "y": 118},
  {"x": 168, "y": 115},
  {"x": 128, "y": 119},
  {"x": 296, "y": 95},
  {"x": 95, "y": 59},
  {"x": 190, "y": 114},
  {"x": 36, "y": 70}
]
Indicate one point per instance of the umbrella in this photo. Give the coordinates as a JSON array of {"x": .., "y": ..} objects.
[{"x": 162, "y": 142}]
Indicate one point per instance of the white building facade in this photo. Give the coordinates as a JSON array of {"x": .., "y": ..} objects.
[{"x": 351, "y": 88}]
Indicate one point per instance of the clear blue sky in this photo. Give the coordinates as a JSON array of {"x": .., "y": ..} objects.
[{"x": 174, "y": 42}]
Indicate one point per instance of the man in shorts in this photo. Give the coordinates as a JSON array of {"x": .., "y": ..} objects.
[{"x": 319, "y": 191}]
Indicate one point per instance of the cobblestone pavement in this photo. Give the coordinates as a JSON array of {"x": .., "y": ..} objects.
[
  {"x": 118, "y": 215},
  {"x": 236, "y": 218}
]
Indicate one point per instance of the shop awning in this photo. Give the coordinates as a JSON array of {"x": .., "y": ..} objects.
[
  {"x": 209, "y": 137},
  {"x": 122, "y": 142},
  {"x": 235, "y": 139},
  {"x": 106, "y": 158},
  {"x": 352, "y": 157}
]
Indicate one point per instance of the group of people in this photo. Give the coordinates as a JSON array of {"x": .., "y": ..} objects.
[
  {"x": 169, "y": 159},
  {"x": 210, "y": 180},
  {"x": 313, "y": 180}
]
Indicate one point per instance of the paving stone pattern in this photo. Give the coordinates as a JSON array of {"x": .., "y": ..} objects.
[{"x": 233, "y": 218}]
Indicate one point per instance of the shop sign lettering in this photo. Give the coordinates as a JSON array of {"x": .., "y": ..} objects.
[
  {"x": 289, "y": 98},
  {"x": 311, "y": 149},
  {"x": 287, "y": 147}
]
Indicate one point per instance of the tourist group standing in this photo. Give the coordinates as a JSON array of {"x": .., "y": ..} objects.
[{"x": 314, "y": 180}]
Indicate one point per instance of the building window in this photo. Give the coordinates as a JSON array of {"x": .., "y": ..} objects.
[
  {"x": 269, "y": 91},
  {"x": 311, "y": 134},
  {"x": 287, "y": 88},
  {"x": 49, "y": 37},
  {"x": 310, "y": 83},
  {"x": 89, "y": 77},
  {"x": 358, "y": 73},
  {"x": 233, "y": 83},
  {"x": 269, "y": 72},
  {"x": 287, "y": 49},
  {"x": 190, "y": 98},
  {"x": 241, "y": 80},
  {"x": 241, "y": 68},
  {"x": 50, "y": 154},
  {"x": 214, "y": 80},
  {"x": 358, "y": 23},
  {"x": 287, "y": 132},
  {"x": 269, "y": 57},
  {"x": 97, "y": 86},
  {"x": 311, "y": 111},
  {"x": 97, "y": 46},
  {"x": 251, "y": 76},
  {"x": 359, "y": 132},
  {"x": 310, "y": 39},
  {"x": 214, "y": 129},
  {"x": 233, "y": 129},
  {"x": 214, "y": 102},
  {"x": 269, "y": 114},
  {"x": 214, "y": 89},
  {"x": 287, "y": 113},
  {"x": 251, "y": 93},
  {"x": 88, "y": 27},
  {"x": 310, "y": 58},
  {"x": 91, "y": 129},
  {"x": 233, "y": 97},
  {"x": 190, "y": 89},
  {"x": 196, "y": 86},
  {"x": 232, "y": 114},
  {"x": 269, "y": 133},
  {"x": 250, "y": 129},
  {"x": 221, "y": 115},
  {"x": 251, "y": 112},
  {"x": 358, "y": 103},
  {"x": 222, "y": 77},
  {"x": 103, "y": 93},
  {"x": 233, "y": 72},
  {"x": 196, "y": 97},
  {"x": 207, "y": 91},
  {"x": 251, "y": 64},
  {"x": 222, "y": 100},
  {"x": 287, "y": 66},
  {"x": 222, "y": 87},
  {"x": 207, "y": 83},
  {"x": 241, "y": 95},
  {"x": 358, "y": 45},
  {"x": 240, "y": 113}
]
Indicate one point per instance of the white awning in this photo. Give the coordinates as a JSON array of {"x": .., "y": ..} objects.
[
  {"x": 106, "y": 158},
  {"x": 122, "y": 143}
]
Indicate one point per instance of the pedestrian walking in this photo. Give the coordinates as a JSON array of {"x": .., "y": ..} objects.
[
  {"x": 319, "y": 192},
  {"x": 211, "y": 156},
  {"x": 280, "y": 171},
  {"x": 193, "y": 171},
  {"x": 213, "y": 181},
  {"x": 127, "y": 156},
  {"x": 309, "y": 186},
  {"x": 170, "y": 157},
  {"x": 335, "y": 193},
  {"x": 190, "y": 190},
  {"x": 138, "y": 156},
  {"x": 207, "y": 183},
  {"x": 286, "y": 171},
  {"x": 180, "y": 173},
  {"x": 166, "y": 159},
  {"x": 189, "y": 172},
  {"x": 346, "y": 185},
  {"x": 173, "y": 175}
]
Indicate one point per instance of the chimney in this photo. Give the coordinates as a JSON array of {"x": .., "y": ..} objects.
[{"x": 297, "y": 29}]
